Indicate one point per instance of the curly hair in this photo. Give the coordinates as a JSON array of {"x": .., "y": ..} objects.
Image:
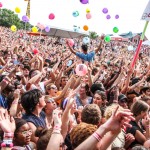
[
  {"x": 81, "y": 132},
  {"x": 110, "y": 109},
  {"x": 44, "y": 136},
  {"x": 91, "y": 114},
  {"x": 30, "y": 99}
]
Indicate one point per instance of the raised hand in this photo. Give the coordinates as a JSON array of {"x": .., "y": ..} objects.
[
  {"x": 57, "y": 117},
  {"x": 118, "y": 120},
  {"x": 7, "y": 123}
]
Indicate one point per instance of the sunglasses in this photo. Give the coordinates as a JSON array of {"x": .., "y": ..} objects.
[{"x": 51, "y": 100}]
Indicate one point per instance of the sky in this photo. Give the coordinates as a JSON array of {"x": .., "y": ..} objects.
[{"x": 129, "y": 11}]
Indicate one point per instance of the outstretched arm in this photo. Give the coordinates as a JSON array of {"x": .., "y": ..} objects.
[{"x": 70, "y": 48}]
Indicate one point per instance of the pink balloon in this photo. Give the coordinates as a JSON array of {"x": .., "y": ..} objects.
[
  {"x": 35, "y": 51},
  {"x": 51, "y": 16},
  {"x": 1, "y": 5},
  {"x": 71, "y": 42},
  {"x": 81, "y": 70},
  {"x": 88, "y": 16}
]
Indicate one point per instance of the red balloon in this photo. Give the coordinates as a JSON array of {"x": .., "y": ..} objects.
[
  {"x": 51, "y": 16},
  {"x": 35, "y": 51},
  {"x": 1, "y": 5}
]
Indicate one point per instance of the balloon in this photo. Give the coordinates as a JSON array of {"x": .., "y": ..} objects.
[
  {"x": 1, "y": 5},
  {"x": 47, "y": 29},
  {"x": 13, "y": 28},
  {"x": 35, "y": 51},
  {"x": 51, "y": 16},
  {"x": 41, "y": 26},
  {"x": 75, "y": 14},
  {"x": 105, "y": 10},
  {"x": 84, "y": 1},
  {"x": 81, "y": 70},
  {"x": 71, "y": 42},
  {"x": 25, "y": 18},
  {"x": 86, "y": 40},
  {"x": 87, "y": 10},
  {"x": 85, "y": 27},
  {"x": 115, "y": 30},
  {"x": 34, "y": 29},
  {"x": 17, "y": 10},
  {"x": 107, "y": 38},
  {"x": 117, "y": 16},
  {"x": 108, "y": 16},
  {"x": 88, "y": 16}
]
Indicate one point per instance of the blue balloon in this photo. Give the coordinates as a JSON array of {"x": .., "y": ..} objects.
[
  {"x": 75, "y": 14},
  {"x": 86, "y": 40}
]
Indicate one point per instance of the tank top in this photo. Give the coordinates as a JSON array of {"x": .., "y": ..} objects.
[{"x": 37, "y": 121}]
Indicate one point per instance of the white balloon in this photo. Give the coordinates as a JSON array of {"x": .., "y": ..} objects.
[{"x": 86, "y": 40}]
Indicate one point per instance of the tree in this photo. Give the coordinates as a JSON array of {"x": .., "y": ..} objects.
[
  {"x": 93, "y": 35},
  {"x": 9, "y": 18}
]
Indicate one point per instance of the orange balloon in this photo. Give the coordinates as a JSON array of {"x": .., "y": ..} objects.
[{"x": 85, "y": 27}]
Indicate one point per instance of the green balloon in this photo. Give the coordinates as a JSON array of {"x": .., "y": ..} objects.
[
  {"x": 115, "y": 30},
  {"x": 107, "y": 38}
]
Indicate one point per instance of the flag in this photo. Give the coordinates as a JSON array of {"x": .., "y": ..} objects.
[{"x": 146, "y": 13}]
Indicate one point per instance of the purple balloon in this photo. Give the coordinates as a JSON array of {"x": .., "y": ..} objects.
[
  {"x": 105, "y": 10},
  {"x": 84, "y": 1},
  {"x": 117, "y": 16},
  {"x": 47, "y": 29},
  {"x": 25, "y": 19},
  {"x": 108, "y": 16}
]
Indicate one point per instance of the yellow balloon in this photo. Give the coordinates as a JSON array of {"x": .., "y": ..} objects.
[
  {"x": 87, "y": 10},
  {"x": 13, "y": 28},
  {"x": 17, "y": 10},
  {"x": 34, "y": 29}
]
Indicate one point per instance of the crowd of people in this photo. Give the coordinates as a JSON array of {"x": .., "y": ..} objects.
[{"x": 46, "y": 105}]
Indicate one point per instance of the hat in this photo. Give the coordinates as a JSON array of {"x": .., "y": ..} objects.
[{"x": 122, "y": 98}]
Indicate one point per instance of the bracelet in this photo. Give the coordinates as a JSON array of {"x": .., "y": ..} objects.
[
  {"x": 57, "y": 128},
  {"x": 4, "y": 80},
  {"x": 15, "y": 102},
  {"x": 97, "y": 136},
  {"x": 56, "y": 132},
  {"x": 147, "y": 126},
  {"x": 8, "y": 135}
]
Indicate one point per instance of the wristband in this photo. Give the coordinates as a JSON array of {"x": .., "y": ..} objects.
[
  {"x": 15, "y": 102},
  {"x": 147, "y": 126},
  {"x": 97, "y": 136},
  {"x": 8, "y": 135},
  {"x": 57, "y": 128},
  {"x": 4, "y": 80}
]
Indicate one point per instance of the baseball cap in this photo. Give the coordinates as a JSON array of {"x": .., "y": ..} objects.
[{"x": 122, "y": 98}]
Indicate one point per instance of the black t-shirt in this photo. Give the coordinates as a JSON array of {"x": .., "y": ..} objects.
[{"x": 133, "y": 130}]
